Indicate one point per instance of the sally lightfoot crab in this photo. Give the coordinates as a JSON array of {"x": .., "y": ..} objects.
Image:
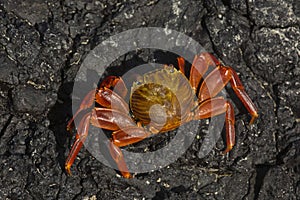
[{"x": 160, "y": 101}]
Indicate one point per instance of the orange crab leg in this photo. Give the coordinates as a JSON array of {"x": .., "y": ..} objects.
[
  {"x": 111, "y": 81},
  {"x": 105, "y": 97},
  {"x": 110, "y": 119},
  {"x": 217, "y": 106},
  {"x": 117, "y": 155},
  {"x": 129, "y": 135},
  {"x": 124, "y": 137},
  {"x": 100, "y": 117},
  {"x": 181, "y": 64},
  {"x": 217, "y": 80},
  {"x": 199, "y": 67},
  {"x": 87, "y": 102},
  {"x": 110, "y": 99},
  {"x": 80, "y": 138}
]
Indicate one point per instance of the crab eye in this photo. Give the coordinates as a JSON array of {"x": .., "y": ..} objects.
[
  {"x": 171, "y": 68},
  {"x": 138, "y": 82}
]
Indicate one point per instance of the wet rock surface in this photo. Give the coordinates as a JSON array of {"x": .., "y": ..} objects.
[{"x": 42, "y": 45}]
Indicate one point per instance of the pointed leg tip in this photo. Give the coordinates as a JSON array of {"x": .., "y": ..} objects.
[
  {"x": 68, "y": 170},
  {"x": 227, "y": 150},
  {"x": 127, "y": 175},
  {"x": 254, "y": 117}
]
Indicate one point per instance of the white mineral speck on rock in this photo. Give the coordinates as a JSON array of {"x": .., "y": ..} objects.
[
  {"x": 166, "y": 185},
  {"x": 118, "y": 175},
  {"x": 175, "y": 7}
]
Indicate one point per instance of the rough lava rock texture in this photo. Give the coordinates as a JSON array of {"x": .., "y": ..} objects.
[{"x": 42, "y": 45}]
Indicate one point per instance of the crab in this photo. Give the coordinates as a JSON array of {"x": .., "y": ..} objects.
[{"x": 160, "y": 101}]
